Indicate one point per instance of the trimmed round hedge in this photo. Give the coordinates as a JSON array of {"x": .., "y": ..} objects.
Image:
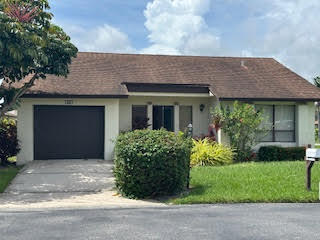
[{"x": 151, "y": 163}]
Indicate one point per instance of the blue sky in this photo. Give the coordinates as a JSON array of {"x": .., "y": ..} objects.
[
  {"x": 124, "y": 15},
  {"x": 284, "y": 29}
]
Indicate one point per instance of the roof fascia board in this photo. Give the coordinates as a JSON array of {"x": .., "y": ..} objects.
[
  {"x": 271, "y": 99},
  {"x": 157, "y": 94},
  {"x": 71, "y": 96}
]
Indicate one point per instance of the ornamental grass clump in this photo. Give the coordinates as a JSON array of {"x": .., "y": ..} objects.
[
  {"x": 208, "y": 153},
  {"x": 151, "y": 163}
]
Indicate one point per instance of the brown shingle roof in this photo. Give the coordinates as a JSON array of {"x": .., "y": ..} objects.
[{"x": 102, "y": 74}]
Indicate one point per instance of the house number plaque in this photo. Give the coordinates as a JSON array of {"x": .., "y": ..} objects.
[{"x": 68, "y": 102}]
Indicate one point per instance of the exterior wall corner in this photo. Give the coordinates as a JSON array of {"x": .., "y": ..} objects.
[{"x": 305, "y": 124}]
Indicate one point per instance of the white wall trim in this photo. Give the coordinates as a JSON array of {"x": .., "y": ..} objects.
[
  {"x": 176, "y": 118},
  {"x": 26, "y": 122},
  {"x": 150, "y": 115}
]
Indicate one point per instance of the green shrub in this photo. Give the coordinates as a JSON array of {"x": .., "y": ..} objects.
[
  {"x": 151, "y": 163},
  {"x": 9, "y": 144},
  {"x": 241, "y": 122},
  {"x": 275, "y": 153},
  {"x": 268, "y": 153},
  {"x": 208, "y": 153}
]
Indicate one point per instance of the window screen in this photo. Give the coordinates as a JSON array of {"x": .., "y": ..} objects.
[
  {"x": 139, "y": 117},
  {"x": 280, "y": 121},
  {"x": 284, "y": 123},
  {"x": 163, "y": 117},
  {"x": 185, "y": 117}
]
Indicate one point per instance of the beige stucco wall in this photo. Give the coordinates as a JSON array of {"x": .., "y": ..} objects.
[
  {"x": 25, "y": 123},
  {"x": 305, "y": 124},
  {"x": 305, "y": 117},
  {"x": 200, "y": 119},
  {"x": 118, "y": 118}
]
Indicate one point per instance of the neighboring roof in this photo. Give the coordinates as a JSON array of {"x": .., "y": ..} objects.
[{"x": 103, "y": 75}]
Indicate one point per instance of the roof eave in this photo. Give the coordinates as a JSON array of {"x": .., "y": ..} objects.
[
  {"x": 271, "y": 99},
  {"x": 72, "y": 96}
]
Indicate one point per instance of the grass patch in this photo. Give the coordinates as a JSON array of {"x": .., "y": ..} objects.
[
  {"x": 6, "y": 176},
  {"x": 252, "y": 182}
]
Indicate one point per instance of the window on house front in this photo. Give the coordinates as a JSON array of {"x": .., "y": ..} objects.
[
  {"x": 139, "y": 117},
  {"x": 185, "y": 117},
  {"x": 163, "y": 117},
  {"x": 279, "y": 120}
]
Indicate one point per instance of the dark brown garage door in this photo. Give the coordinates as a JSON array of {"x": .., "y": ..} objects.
[{"x": 68, "y": 132}]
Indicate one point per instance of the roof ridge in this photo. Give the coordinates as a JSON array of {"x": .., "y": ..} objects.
[{"x": 164, "y": 55}]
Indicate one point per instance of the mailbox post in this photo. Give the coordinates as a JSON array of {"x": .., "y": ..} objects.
[{"x": 311, "y": 155}]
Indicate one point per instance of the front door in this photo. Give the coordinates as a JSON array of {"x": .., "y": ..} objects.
[{"x": 163, "y": 117}]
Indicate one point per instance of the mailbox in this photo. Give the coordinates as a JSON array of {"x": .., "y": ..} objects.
[{"x": 312, "y": 154}]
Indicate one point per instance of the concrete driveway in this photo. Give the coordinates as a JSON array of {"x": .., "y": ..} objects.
[
  {"x": 64, "y": 183},
  {"x": 56, "y": 176}
]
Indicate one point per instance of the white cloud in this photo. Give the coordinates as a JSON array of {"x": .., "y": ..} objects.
[
  {"x": 160, "y": 49},
  {"x": 179, "y": 27},
  {"x": 203, "y": 44},
  {"x": 292, "y": 35},
  {"x": 100, "y": 39}
]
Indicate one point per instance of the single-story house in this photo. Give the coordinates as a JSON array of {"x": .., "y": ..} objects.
[{"x": 79, "y": 117}]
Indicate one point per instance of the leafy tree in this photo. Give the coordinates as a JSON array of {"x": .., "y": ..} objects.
[
  {"x": 242, "y": 124},
  {"x": 316, "y": 81},
  {"x": 31, "y": 47}
]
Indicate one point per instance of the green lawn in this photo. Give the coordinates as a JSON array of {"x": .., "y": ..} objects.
[
  {"x": 252, "y": 182},
  {"x": 6, "y": 175}
]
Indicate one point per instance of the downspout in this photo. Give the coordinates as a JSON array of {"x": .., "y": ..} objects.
[{"x": 218, "y": 133}]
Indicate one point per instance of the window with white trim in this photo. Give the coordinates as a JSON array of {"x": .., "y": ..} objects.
[{"x": 279, "y": 120}]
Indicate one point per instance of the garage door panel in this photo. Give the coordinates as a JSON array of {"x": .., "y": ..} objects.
[{"x": 68, "y": 132}]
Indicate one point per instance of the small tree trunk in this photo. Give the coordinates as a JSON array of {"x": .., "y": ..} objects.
[{"x": 7, "y": 106}]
